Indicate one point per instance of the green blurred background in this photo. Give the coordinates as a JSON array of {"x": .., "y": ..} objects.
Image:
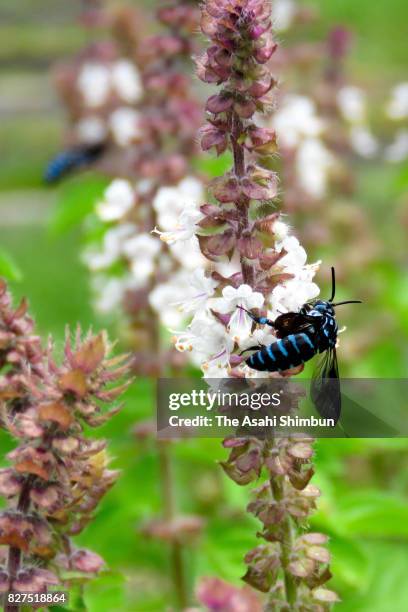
[{"x": 364, "y": 505}]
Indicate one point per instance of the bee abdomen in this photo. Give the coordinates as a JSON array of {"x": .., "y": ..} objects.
[{"x": 284, "y": 354}]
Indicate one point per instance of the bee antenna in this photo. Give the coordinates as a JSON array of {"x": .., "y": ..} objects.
[
  {"x": 333, "y": 275},
  {"x": 348, "y": 302}
]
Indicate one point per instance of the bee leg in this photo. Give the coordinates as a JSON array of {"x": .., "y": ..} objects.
[
  {"x": 259, "y": 320},
  {"x": 258, "y": 347}
]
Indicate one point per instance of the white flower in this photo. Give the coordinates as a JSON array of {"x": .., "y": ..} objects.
[
  {"x": 261, "y": 336},
  {"x": 228, "y": 268},
  {"x": 119, "y": 199},
  {"x": 352, "y": 104},
  {"x": 398, "y": 150},
  {"x": 363, "y": 141},
  {"x": 126, "y": 81},
  {"x": 94, "y": 83},
  {"x": 295, "y": 257},
  {"x": 283, "y": 13},
  {"x": 233, "y": 301},
  {"x": 170, "y": 202},
  {"x": 200, "y": 289},
  {"x": 184, "y": 229},
  {"x": 111, "y": 247},
  {"x": 397, "y": 107},
  {"x": 188, "y": 253},
  {"x": 290, "y": 296},
  {"x": 125, "y": 124},
  {"x": 314, "y": 163},
  {"x": 215, "y": 370},
  {"x": 207, "y": 338},
  {"x": 91, "y": 129},
  {"x": 280, "y": 230},
  {"x": 297, "y": 119}
]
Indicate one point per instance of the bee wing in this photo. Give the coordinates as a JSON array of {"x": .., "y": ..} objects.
[
  {"x": 325, "y": 387},
  {"x": 290, "y": 323}
]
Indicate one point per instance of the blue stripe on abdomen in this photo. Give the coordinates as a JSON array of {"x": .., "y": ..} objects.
[
  {"x": 283, "y": 354},
  {"x": 292, "y": 340}
]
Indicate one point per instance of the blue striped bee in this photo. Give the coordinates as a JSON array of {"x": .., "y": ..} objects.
[
  {"x": 301, "y": 335},
  {"x": 72, "y": 159}
]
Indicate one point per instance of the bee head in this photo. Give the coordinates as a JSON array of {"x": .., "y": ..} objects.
[{"x": 324, "y": 307}]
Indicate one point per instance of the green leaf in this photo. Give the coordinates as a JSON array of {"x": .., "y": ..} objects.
[
  {"x": 9, "y": 268},
  {"x": 349, "y": 563},
  {"x": 77, "y": 198},
  {"x": 213, "y": 166},
  {"x": 387, "y": 587},
  {"x": 107, "y": 592},
  {"x": 371, "y": 514}
]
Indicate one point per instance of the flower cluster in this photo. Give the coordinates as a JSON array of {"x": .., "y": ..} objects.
[
  {"x": 57, "y": 475},
  {"x": 251, "y": 253},
  {"x": 131, "y": 267},
  {"x": 256, "y": 265},
  {"x": 101, "y": 89},
  {"x": 153, "y": 270},
  {"x": 289, "y": 566}
]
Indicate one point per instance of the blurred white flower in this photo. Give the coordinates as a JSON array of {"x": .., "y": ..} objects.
[
  {"x": 192, "y": 189},
  {"x": 126, "y": 81},
  {"x": 112, "y": 247},
  {"x": 141, "y": 250},
  {"x": 125, "y": 124},
  {"x": 283, "y": 13},
  {"x": 188, "y": 253},
  {"x": 119, "y": 198},
  {"x": 297, "y": 119},
  {"x": 109, "y": 292},
  {"x": 363, "y": 141},
  {"x": 91, "y": 130},
  {"x": 313, "y": 164},
  {"x": 234, "y": 301},
  {"x": 352, "y": 104},
  {"x": 161, "y": 299},
  {"x": 168, "y": 206},
  {"x": 200, "y": 289},
  {"x": 397, "y": 107},
  {"x": 398, "y": 150},
  {"x": 94, "y": 83},
  {"x": 144, "y": 186}
]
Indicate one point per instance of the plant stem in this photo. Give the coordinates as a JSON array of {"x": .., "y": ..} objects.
[
  {"x": 287, "y": 537},
  {"x": 167, "y": 482},
  {"x": 242, "y": 203},
  {"x": 14, "y": 556}
]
